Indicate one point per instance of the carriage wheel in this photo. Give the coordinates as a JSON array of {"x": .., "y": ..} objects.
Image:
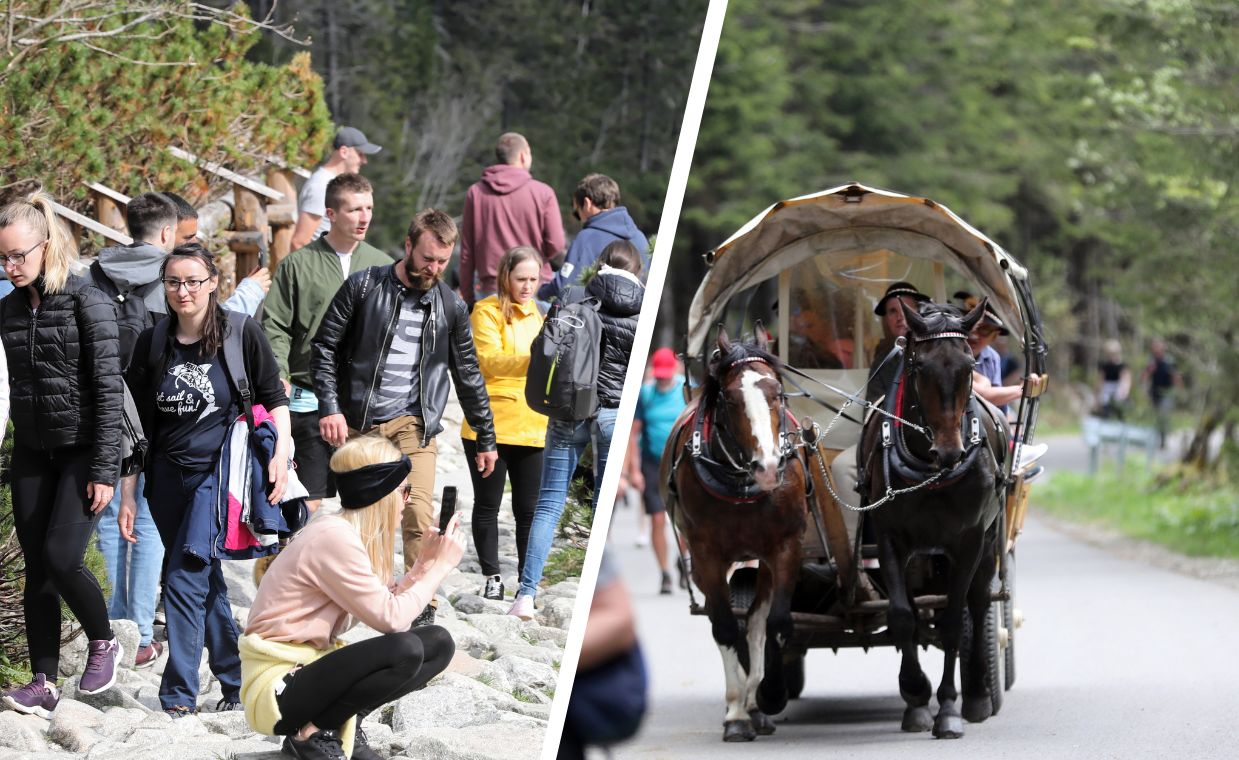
[
  {"x": 993, "y": 654},
  {"x": 793, "y": 673},
  {"x": 1008, "y": 622}
]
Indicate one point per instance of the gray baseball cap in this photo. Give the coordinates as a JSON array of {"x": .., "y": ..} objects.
[{"x": 354, "y": 138}]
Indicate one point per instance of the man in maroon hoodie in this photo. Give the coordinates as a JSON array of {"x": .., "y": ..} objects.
[{"x": 504, "y": 209}]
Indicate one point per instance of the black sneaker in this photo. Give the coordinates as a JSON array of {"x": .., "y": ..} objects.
[
  {"x": 224, "y": 705},
  {"x": 426, "y": 618},
  {"x": 361, "y": 746},
  {"x": 665, "y": 586},
  {"x": 321, "y": 745},
  {"x": 494, "y": 589}
]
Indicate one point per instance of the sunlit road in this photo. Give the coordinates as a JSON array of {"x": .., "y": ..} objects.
[{"x": 1115, "y": 660}]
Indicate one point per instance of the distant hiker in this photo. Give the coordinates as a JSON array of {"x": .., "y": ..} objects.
[
  {"x": 505, "y": 209},
  {"x": 595, "y": 203},
  {"x": 348, "y": 154},
  {"x": 59, "y": 333}
]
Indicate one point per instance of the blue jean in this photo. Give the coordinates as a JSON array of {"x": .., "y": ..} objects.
[
  {"x": 195, "y": 596},
  {"x": 133, "y": 568},
  {"x": 565, "y": 441}
]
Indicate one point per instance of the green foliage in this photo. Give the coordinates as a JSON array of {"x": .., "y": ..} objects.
[
  {"x": 105, "y": 109},
  {"x": 1197, "y": 520},
  {"x": 595, "y": 87}
]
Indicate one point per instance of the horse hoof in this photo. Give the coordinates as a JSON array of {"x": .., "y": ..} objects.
[
  {"x": 761, "y": 722},
  {"x": 948, "y": 727},
  {"x": 738, "y": 731},
  {"x": 917, "y": 719},
  {"x": 977, "y": 709}
]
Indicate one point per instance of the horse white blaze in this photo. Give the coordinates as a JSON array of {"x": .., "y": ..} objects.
[{"x": 757, "y": 409}]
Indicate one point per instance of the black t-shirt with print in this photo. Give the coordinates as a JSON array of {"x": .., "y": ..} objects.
[{"x": 194, "y": 407}]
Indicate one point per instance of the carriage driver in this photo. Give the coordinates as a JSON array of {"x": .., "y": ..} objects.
[{"x": 881, "y": 376}]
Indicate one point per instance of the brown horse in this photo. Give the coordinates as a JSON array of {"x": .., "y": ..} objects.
[
  {"x": 735, "y": 489},
  {"x": 948, "y": 460}
]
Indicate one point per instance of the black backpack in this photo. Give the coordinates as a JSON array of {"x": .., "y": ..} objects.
[
  {"x": 132, "y": 316},
  {"x": 562, "y": 380}
]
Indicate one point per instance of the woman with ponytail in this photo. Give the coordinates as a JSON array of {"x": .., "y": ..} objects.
[
  {"x": 60, "y": 337},
  {"x": 299, "y": 679},
  {"x": 185, "y": 398}
]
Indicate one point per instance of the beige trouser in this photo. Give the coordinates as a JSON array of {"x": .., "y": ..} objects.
[
  {"x": 843, "y": 473},
  {"x": 406, "y": 433}
]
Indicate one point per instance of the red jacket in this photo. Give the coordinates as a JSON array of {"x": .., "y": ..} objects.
[{"x": 504, "y": 209}]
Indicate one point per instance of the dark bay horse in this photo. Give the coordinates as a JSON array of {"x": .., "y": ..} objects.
[
  {"x": 951, "y": 465},
  {"x": 735, "y": 489}
]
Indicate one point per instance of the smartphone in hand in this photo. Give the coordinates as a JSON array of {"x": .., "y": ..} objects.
[{"x": 447, "y": 507}]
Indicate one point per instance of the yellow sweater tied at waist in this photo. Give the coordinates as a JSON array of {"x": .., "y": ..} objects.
[{"x": 263, "y": 666}]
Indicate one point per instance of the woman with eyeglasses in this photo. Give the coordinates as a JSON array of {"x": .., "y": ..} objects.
[
  {"x": 187, "y": 402},
  {"x": 299, "y": 679},
  {"x": 59, "y": 335}
]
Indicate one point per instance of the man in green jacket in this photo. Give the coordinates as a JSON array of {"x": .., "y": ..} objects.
[{"x": 304, "y": 285}]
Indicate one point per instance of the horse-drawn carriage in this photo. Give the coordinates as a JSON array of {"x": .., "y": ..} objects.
[{"x": 757, "y": 468}]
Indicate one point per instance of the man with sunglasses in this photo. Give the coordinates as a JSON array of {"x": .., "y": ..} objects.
[
  {"x": 505, "y": 209},
  {"x": 595, "y": 204}
]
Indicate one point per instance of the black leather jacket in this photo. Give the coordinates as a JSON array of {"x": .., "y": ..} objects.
[
  {"x": 64, "y": 372},
  {"x": 350, "y": 349},
  {"x": 620, "y": 294}
]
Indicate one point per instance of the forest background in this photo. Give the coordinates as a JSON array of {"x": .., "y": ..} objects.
[{"x": 1093, "y": 139}]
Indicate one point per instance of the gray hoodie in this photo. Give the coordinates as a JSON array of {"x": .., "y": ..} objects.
[{"x": 134, "y": 266}]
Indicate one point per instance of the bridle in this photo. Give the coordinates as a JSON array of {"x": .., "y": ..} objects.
[{"x": 913, "y": 364}]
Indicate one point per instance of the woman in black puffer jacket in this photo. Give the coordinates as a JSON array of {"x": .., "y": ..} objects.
[
  {"x": 619, "y": 291},
  {"x": 60, "y": 336}
]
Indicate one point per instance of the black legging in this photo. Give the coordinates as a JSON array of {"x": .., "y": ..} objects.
[
  {"x": 361, "y": 677},
  {"x": 54, "y": 523},
  {"x": 523, "y": 465}
]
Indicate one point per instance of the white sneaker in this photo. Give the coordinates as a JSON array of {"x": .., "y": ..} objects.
[
  {"x": 522, "y": 607},
  {"x": 1026, "y": 455}
]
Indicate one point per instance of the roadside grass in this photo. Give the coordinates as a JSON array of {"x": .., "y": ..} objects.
[{"x": 1195, "y": 519}]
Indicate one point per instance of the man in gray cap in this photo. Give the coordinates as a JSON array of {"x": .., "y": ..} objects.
[{"x": 348, "y": 154}]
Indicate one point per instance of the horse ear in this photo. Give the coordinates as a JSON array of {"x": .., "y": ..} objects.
[
  {"x": 974, "y": 316},
  {"x": 913, "y": 318},
  {"x": 724, "y": 343},
  {"x": 760, "y": 338}
]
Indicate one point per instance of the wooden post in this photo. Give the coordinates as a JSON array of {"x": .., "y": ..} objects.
[
  {"x": 281, "y": 216},
  {"x": 111, "y": 206},
  {"x": 249, "y": 215}
]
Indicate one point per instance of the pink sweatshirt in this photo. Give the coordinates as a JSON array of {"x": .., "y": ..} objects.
[
  {"x": 504, "y": 209},
  {"x": 321, "y": 578}
]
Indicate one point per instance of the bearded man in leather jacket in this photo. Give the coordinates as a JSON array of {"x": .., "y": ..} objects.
[{"x": 381, "y": 360}]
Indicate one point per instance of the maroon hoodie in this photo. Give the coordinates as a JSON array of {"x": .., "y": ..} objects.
[{"x": 504, "y": 209}]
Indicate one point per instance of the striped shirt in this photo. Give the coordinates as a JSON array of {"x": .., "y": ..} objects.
[{"x": 399, "y": 391}]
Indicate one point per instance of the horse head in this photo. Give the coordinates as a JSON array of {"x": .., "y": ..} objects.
[
  {"x": 938, "y": 373},
  {"x": 746, "y": 391}
]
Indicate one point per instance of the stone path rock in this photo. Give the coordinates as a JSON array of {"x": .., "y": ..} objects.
[{"x": 493, "y": 702}]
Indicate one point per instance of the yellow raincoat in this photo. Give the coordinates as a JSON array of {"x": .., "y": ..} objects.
[{"x": 503, "y": 355}]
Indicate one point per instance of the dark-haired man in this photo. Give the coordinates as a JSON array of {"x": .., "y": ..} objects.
[
  {"x": 381, "y": 359},
  {"x": 595, "y": 203},
  {"x": 349, "y": 150},
  {"x": 506, "y": 208},
  {"x": 304, "y": 285}
]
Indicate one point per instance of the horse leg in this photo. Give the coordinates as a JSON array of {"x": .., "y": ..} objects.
[
  {"x": 948, "y": 724},
  {"x": 784, "y": 572},
  {"x": 756, "y": 637},
  {"x": 977, "y": 702},
  {"x": 914, "y": 686},
  {"x": 710, "y": 574}
]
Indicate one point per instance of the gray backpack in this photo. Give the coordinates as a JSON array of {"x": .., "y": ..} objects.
[{"x": 562, "y": 380}]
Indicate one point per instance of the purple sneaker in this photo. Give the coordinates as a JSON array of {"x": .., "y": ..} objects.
[
  {"x": 102, "y": 658},
  {"x": 35, "y": 698}
]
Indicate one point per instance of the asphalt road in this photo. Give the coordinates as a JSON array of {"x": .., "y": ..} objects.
[{"x": 1115, "y": 660}]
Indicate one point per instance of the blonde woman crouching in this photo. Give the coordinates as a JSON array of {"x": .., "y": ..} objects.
[{"x": 297, "y": 678}]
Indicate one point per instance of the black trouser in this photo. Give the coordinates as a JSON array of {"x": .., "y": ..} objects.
[
  {"x": 523, "y": 466},
  {"x": 360, "y": 678},
  {"x": 54, "y": 522}
]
